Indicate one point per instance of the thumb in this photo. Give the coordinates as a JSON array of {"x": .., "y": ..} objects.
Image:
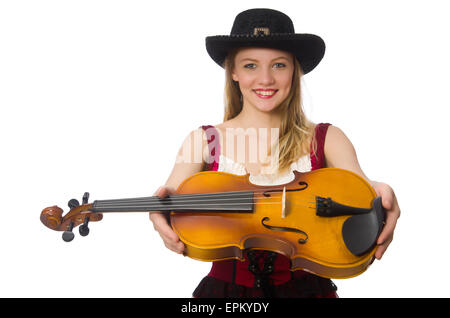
[
  {"x": 164, "y": 191},
  {"x": 386, "y": 193}
]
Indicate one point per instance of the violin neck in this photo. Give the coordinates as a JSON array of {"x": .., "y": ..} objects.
[{"x": 241, "y": 201}]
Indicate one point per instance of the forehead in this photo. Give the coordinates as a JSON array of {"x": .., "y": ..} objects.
[{"x": 261, "y": 54}]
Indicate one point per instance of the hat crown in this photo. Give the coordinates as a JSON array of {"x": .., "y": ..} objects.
[
  {"x": 262, "y": 21},
  {"x": 262, "y": 27}
]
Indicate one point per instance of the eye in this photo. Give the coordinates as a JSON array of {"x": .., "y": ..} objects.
[
  {"x": 251, "y": 65},
  {"x": 280, "y": 65}
]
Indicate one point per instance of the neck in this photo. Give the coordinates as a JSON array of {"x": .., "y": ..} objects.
[{"x": 241, "y": 201}]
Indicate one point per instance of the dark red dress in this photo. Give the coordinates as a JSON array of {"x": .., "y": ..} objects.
[{"x": 263, "y": 273}]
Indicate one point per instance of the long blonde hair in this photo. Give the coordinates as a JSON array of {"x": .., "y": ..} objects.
[{"x": 296, "y": 131}]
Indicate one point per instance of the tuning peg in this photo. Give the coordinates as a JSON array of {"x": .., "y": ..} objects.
[
  {"x": 85, "y": 197},
  {"x": 68, "y": 234},
  {"x": 73, "y": 203},
  {"x": 84, "y": 230}
]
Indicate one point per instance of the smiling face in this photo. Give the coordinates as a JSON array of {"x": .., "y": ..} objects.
[{"x": 264, "y": 76}]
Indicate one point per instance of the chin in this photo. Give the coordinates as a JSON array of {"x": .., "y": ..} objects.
[{"x": 266, "y": 107}]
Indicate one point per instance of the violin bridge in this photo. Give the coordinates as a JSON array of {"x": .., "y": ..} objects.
[{"x": 283, "y": 204}]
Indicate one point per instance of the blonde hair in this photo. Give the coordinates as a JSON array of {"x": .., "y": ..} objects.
[{"x": 296, "y": 131}]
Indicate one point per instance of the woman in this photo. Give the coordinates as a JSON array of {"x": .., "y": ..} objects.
[{"x": 264, "y": 60}]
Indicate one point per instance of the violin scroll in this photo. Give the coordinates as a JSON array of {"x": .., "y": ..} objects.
[{"x": 52, "y": 217}]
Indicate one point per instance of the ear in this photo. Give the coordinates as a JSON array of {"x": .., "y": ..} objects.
[{"x": 234, "y": 77}]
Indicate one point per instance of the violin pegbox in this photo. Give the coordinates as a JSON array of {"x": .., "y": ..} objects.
[{"x": 81, "y": 215}]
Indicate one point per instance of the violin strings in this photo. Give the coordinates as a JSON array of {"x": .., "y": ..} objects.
[
  {"x": 200, "y": 195},
  {"x": 149, "y": 208},
  {"x": 199, "y": 200},
  {"x": 208, "y": 204},
  {"x": 177, "y": 202},
  {"x": 189, "y": 198}
]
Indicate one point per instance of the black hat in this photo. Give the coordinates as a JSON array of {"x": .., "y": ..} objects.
[{"x": 267, "y": 28}]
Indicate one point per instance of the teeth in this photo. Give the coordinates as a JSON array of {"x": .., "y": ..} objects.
[{"x": 266, "y": 93}]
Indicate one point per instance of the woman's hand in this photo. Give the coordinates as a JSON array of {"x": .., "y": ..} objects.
[
  {"x": 161, "y": 224},
  {"x": 389, "y": 202}
]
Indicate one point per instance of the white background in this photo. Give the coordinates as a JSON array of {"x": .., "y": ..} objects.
[{"x": 97, "y": 96}]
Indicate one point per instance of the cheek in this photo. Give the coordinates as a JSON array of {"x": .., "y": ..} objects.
[
  {"x": 288, "y": 86},
  {"x": 286, "y": 81},
  {"x": 284, "y": 88},
  {"x": 245, "y": 82}
]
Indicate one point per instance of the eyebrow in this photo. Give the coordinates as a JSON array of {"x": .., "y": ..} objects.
[{"x": 249, "y": 59}]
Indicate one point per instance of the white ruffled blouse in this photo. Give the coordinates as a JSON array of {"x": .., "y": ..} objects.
[{"x": 301, "y": 165}]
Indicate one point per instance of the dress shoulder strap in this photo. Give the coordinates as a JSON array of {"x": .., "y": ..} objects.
[
  {"x": 213, "y": 139},
  {"x": 318, "y": 158}
]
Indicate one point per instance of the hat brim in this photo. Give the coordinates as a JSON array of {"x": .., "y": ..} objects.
[{"x": 309, "y": 49}]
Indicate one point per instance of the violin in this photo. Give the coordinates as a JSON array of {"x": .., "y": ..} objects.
[{"x": 326, "y": 221}]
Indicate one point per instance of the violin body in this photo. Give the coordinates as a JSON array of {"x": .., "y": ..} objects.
[
  {"x": 326, "y": 221},
  {"x": 220, "y": 236}
]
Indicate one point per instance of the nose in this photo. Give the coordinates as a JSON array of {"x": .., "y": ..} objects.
[{"x": 266, "y": 77}]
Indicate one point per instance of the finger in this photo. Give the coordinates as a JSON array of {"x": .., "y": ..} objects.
[
  {"x": 387, "y": 195},
  {"x": 390, "y": 223},
  {"x": 177, "y": 247},
  {"x": 164, "y": 191},
  {"x": 169, "y": 237},
  {"x": 388, "y": 229},
  {"x": 381, "y": 249},
  {"x": 161, "y": 192},
  {"x": 161, "y": 225},
  {"x": 171, "y": 240}
]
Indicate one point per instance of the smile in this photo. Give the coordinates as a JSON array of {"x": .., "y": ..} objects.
[{"x": 265, "y": 93}]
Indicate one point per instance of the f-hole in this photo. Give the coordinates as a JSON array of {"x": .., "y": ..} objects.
[
  {"x": 303, "y": 185},
  {"x": 285, "y": 229}
]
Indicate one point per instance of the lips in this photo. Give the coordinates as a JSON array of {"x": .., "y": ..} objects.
[{"x": 265, "y": 93}]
